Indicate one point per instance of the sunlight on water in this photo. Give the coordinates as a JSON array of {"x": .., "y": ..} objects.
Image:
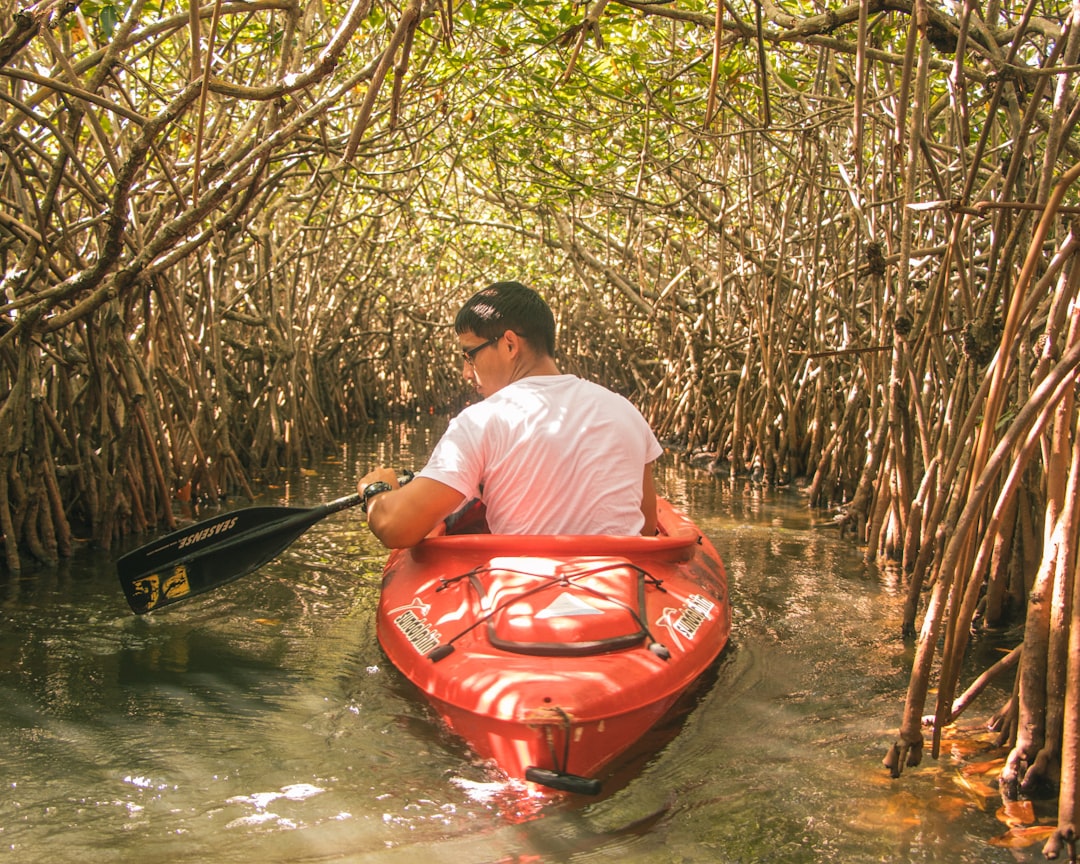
[{"x": 262, "y": 723}]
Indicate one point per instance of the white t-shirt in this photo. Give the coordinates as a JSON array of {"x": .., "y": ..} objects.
[{"x": 550, "y": 454}]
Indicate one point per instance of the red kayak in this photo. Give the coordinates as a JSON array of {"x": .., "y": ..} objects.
[{"x": 551, "y": 655}]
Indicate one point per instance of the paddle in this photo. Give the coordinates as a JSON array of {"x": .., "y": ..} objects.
[{"x": 213, "y": 552}]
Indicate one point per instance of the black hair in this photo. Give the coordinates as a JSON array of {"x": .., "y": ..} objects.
[{"x": 506, "y": 306}]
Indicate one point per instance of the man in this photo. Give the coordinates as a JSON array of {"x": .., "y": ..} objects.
[{"x": 547, "y": 453}]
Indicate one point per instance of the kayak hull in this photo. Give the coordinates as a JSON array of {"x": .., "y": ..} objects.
[{"x": 552, "y": 655}]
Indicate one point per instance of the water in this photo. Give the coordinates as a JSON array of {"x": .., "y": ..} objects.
[{"x": 261, "y": 722}]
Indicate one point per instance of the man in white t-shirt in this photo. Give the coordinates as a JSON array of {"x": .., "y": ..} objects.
[{"x": 547, "y": 453}]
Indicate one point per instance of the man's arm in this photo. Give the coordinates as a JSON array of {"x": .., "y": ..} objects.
[
  {"x": 405, "y": 515},
  {"x": 648, "y": 501}
]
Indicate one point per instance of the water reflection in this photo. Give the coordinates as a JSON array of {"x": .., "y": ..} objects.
[{"x": 262, "y": 722}]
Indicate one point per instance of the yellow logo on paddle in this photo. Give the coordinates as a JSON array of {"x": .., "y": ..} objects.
[{"x": 153, "y": 590}]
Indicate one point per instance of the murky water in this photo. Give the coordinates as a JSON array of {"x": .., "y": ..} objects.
[{"x": 262, "y": 723}]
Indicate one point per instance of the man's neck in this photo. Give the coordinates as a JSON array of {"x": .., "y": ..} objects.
[{"x": 532, "y": 367}]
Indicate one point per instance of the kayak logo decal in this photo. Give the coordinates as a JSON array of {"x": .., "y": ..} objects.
[
  {"x": 687, "y": 620},
  {"x": 567, "y": 606},
  {"x": 415, "y": 627},
  {"x": 152, "y": 590}
]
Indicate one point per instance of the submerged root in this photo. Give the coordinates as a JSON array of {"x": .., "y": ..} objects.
[
  {"x": 903, "y": 753},
  {"x": 1044, "y": 776},
  {"x": 1062, "y": 839}
]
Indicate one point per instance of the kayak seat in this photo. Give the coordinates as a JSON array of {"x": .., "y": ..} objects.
[
  {"x": 575, "y": 608},
  {"x": 470, "y": 518}
]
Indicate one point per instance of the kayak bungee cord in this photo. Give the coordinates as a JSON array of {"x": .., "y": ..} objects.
[{"x": 447, "y": 648}]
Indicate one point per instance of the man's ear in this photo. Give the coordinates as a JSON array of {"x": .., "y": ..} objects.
[{"x": 514, "y": 342}]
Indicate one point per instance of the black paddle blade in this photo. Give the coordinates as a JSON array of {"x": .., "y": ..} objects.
[{"x": 214, "y": 552}]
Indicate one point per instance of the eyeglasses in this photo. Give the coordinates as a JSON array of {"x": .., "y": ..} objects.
[{"x": 469, "y": 354}]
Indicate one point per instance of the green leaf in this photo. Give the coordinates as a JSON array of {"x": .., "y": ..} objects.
[{"x": 108, "y": 19}]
